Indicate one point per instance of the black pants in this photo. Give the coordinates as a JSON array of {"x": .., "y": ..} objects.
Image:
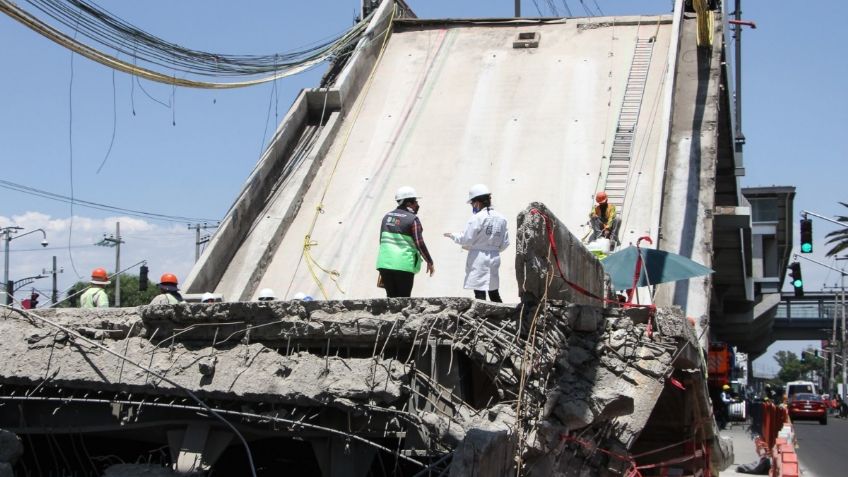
[
  {"x": 493, "y": 295},
  {"x": 397, "y": 283}
]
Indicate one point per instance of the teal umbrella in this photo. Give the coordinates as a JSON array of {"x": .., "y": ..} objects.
[{"x": 657, "y": 266}]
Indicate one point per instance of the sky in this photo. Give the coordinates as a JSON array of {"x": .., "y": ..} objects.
[{"x": 187, "y": 152}]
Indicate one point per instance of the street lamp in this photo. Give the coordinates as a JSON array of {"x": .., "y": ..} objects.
[{"x": 7, "y": 237}]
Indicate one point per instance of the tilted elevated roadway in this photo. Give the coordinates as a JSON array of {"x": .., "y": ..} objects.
[{"x": 539, "y": 110}]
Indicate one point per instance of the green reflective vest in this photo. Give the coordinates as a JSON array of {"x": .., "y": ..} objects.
[
  {"x": 94, "y": 297},
  {"x": 397, "y": 247}
]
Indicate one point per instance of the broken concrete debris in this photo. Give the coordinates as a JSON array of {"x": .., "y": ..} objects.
[{"x": 491, "y": 386}]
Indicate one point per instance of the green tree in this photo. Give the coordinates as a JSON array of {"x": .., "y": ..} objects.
[
  {"x": 839, "y": 237},
  {"x": 790, "y": 366},
  {"x": 130, "y": 295},
  {"x": 810, "y": 363}
]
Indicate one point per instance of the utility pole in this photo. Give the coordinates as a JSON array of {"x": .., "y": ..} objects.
[
  {"x": 198, "y": 240},
  {"x": 842, "y": 274},
  {"x": 517, "y": 8},
  {"x": 115, "y": 241},
  {"x": 54, "y": 296},
  {"x": 8, "y": 288}
]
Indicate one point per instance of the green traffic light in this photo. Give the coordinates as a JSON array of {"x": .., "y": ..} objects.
[
  {"x": 806, "y": 247},
  {"x": 798, "y": 283}
]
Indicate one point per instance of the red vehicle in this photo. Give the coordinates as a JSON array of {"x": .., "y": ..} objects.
[{"x": 808, "y": 406}]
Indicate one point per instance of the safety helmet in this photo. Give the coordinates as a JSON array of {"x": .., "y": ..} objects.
[
  {"x": 477, "y": 190},
  {"x": 601, "y": 197},
  {"x": 725, "y": 387},
  {"x": 302, "y": 296},
  {"x": 99, "y": 277},
  {"x": 405, "y": 192},
  {"x": 168, "y": 282},
  {"x": 207, "y": 298},
  {"x": 266, "y": 294}
]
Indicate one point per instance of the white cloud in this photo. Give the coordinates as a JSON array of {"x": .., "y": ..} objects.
[{"x": 166, "y": 247}]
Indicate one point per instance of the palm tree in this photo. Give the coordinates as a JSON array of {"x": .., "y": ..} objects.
[{"x": 840, "y": 237}]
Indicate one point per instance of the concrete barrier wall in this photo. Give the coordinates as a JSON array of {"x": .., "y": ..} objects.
[{"x": 535, "y": 266}]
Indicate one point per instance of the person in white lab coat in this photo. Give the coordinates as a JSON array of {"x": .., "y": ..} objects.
[{"x": 485, "y": 237}]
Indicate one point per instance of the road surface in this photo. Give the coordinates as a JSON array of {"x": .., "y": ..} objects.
[{"x": 822, "y": 449}]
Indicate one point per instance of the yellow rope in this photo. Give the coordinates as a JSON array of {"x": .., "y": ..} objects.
[
  {"x": 308, "y": 242},
  {"x": 55, "y": 35},
  {"x": 705, "y": 21}
]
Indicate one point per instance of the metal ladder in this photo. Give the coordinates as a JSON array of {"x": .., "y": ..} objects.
[{"x": 618, "y": 169}]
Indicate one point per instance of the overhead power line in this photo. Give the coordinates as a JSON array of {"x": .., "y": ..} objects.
[
  {"x": 95, "y": 205},
  {"x": 111, "y": 32}
]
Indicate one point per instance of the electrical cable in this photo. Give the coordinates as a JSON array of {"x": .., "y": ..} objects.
[
  {"x": 71, "y": 159},
  {"x": 98, "y": 206},
  {"x": 114, "y": 124},
  {"x": 159, "y": 376},
  {"x": 601, "y": 12},
  {"x": 103, "y": 28}
]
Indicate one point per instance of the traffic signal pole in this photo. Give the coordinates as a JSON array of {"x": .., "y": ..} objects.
[
  {"x": 842, "y": 274},
  {"x": 841, "y": 224}
]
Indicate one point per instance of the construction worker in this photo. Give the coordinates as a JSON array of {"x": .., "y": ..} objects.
[
  {"x": 603, "y": 219},
  {"x": 485, "y": 237},
  {"x": 266, "y": 294},
  {"x": 95, "y": 296},
  {"x": 208, "y": 298},
  {"x": 170, "y": 293},
  {"x": 402, "y": 245},
  {"x": 724, "y": 406},
  {"x": 302, "y": 297}
]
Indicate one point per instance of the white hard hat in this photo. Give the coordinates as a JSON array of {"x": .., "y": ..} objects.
[
  {"x": 266, "y": 294},
  {"x": 476, "y": 191},
  {"x": 302, "y": 296},
  {"x": 406, "y": 192},
  {"x": 207, "y": 297}
]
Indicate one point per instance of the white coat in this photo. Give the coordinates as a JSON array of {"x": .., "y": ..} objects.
[{"x": 485, "y": 237}]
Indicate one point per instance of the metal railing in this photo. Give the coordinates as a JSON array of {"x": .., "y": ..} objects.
[{"x": 818, "y": 307}]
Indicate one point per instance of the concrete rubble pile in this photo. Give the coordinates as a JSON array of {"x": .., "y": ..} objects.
[{"x": 547, "y": 387}]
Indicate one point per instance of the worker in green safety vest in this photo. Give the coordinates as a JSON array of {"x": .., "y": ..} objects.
[
  {"x": 95, "y": 296},
  {"x": 402, "y": 245}
]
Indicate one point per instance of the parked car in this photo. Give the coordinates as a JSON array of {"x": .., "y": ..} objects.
[{"x": 808, "y": 406}]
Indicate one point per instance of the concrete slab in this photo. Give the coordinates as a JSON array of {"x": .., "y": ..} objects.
[{"x": 453, "y": 104}]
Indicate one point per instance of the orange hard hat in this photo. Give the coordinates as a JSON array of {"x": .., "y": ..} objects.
[
  {"x": 601, "y": 197},
  {"x": 168, "y": 278},
  {"x": 99, "y": 277},
  {"x": 99, "y": 274}
]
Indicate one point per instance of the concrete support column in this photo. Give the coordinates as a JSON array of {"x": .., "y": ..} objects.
[
  {"x": 340, "y": 457},
  {"x": 196, "y": 448}
]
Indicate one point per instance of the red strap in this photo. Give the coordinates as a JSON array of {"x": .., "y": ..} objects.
[{"x": 578, "y": 288}]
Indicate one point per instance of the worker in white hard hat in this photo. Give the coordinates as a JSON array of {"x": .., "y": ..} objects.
[
  {"x": 207, "y": 298},
  {"x": 485, "y": 237},
  {"x": 302, "y": 297},
  {"x": 266, "y": 294},
  {"x": 402, "y": 246}
]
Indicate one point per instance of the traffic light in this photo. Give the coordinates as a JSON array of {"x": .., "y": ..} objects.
[
  {"x": 795, "y": 276},
  {"x": 806, "y": 236},
  {"x": 142, "y": 278}
]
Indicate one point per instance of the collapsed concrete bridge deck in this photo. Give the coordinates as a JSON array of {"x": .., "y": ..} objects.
[{"x": 366, "y": 387}]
